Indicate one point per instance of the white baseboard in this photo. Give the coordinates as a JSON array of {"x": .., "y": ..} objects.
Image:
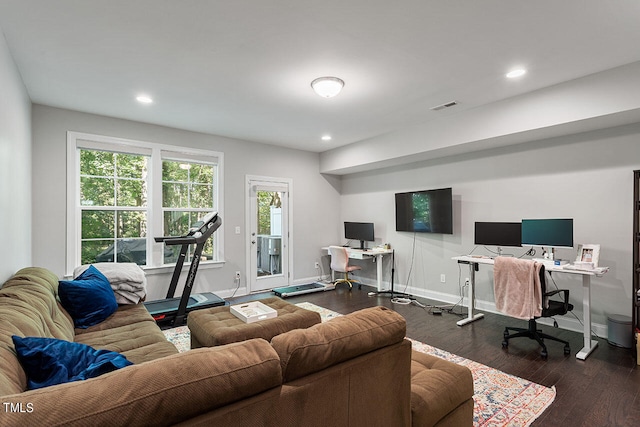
[
  {"x": 567, "y": 322},
  {"x": 306, "y": 281},
  {"x": 227, "y": 293},
  {"x": 244, "y": 290}
]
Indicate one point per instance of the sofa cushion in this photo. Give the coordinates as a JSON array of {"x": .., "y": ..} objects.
[
  {"x": 49, "y": 361},
  {"x": 125, "y": 315},
  {"x": 139, "y": 342},
  {"x": 131, "y": 331},
  {"x": 160, "y": 392},
  {"x": 28, "y": 307},
  {"x": 88, "y": 298},
  {"x": 304, "y": 351},
  {"x": 438, "y": 387}
]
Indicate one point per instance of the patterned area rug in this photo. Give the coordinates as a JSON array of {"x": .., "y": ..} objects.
[
  {"x": 180, "y": 337},
  {"x": 500, "y": 399}
]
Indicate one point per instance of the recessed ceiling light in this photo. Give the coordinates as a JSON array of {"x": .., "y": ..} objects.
[
  {"x": 326, "y": 137},
  {"x": 516, "y": 73},
  {"x": 144, "y": 99}
]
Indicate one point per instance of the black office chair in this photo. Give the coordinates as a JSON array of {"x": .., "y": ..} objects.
[{"x": 556, "y": 308}]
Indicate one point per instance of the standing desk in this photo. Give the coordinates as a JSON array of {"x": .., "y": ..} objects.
[
  {"x": 376, "y": 254},
  {"x": 589, "y": 344}
]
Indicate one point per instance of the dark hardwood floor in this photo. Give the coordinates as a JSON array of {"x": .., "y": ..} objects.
[{"x": 603, "y": 390}]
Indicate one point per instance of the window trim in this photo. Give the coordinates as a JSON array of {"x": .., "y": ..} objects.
[{"x": 157, "y": 152}]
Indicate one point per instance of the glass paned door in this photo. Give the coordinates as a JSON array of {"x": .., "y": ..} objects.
[{"x": 268, "y": 235}]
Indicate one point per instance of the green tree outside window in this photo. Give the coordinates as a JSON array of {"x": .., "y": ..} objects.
[{"x": 113, "y": 203}]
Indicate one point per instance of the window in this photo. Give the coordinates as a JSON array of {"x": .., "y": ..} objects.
[
  {"x": 187, "y": 195},
  {"x": 122, "y": 193},
  {"x": 113, "y": 207}
]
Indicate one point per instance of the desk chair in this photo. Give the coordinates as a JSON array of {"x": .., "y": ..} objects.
[
  {"x": 554, "y": 308},
  {"x": 340, "y": 264}
]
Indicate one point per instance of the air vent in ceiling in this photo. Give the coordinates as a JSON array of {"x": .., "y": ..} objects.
[{"x": 443, "y": 106}]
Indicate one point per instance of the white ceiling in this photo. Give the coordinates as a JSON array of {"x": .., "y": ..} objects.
[{"x": 243, "y": 68}]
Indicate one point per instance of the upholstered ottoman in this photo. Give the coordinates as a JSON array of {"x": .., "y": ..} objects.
[
  {"x": 441, "y": 392},
  {"x": 218, "y": 326}
]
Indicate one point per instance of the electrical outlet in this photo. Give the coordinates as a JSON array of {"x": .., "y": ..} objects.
[
  {"x": 237, "y": 275},
  {"x": 442, "y": 278},
  {"x": 466, "y": 281},
  {"x": 317, "y": 265}
]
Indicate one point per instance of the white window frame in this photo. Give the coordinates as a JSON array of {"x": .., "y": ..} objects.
[{"x": 157, "y": 152}]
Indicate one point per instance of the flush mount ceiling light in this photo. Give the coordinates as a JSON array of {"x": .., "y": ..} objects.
[
  {"x": 144, "y": 99},
  {"x": 327, "y": 87},
  {"x": 516, "y": 73},
  {"x": 326, "y": 137}
]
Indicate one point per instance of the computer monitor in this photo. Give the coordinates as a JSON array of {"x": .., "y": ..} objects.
[
  {"x": 553, "y": 233},
  {"x": 362, "y": 231},
  {"x": 498, "y": 233}
]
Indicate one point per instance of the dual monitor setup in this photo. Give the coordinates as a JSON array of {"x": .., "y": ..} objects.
[
  {"x": 431, "y": 211},
  {"x": 551, "y": 233}
]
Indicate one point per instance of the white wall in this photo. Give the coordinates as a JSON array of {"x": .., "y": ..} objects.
[
  {"x": 314, "y": 197},
  {"x": 15, "y": 167},
  {"x": 588, "y": 177}
]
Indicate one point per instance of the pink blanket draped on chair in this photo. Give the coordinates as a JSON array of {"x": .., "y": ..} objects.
[{"x": 516, "y": 286}]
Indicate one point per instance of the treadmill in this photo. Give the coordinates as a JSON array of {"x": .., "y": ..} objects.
[
  {"x": 172, "y": 311},
  {"x": 290, "y": 291}
]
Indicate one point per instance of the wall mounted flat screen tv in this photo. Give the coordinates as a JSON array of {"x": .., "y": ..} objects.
[
  {"x": 556, "y": 233},
  {"x": 428, "y": 211},
  {"x": 498, "y": 233}
]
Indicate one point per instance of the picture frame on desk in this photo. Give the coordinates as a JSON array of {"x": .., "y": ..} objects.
[{"x": 588, "y": 253}]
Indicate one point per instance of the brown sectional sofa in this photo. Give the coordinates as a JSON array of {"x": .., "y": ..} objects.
[{"x": 356, "y": 370}]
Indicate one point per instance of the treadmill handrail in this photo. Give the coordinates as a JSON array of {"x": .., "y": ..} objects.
[
  {"x": 206, "y": 229},
  {"x": 209, "y": 217},
  {"x": 179, "y": 240}
]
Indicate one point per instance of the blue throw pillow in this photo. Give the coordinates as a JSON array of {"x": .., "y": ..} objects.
[
  {"x": 88, "y": 298},
  {"x": 50, "y": 361}
]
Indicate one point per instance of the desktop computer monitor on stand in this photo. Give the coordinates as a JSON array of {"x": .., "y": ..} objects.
[
  {"x": 548, "y": 233},
  {"x": 498, "y": 234},
  {"x": 362, "y": 231}
]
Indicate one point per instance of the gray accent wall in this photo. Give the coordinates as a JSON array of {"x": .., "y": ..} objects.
[{"x": 15, "y": 167}]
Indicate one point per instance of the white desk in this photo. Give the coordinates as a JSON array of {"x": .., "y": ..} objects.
[
  {"x": 589, "y": 344},
  {"x": 376, "y": 254}
]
